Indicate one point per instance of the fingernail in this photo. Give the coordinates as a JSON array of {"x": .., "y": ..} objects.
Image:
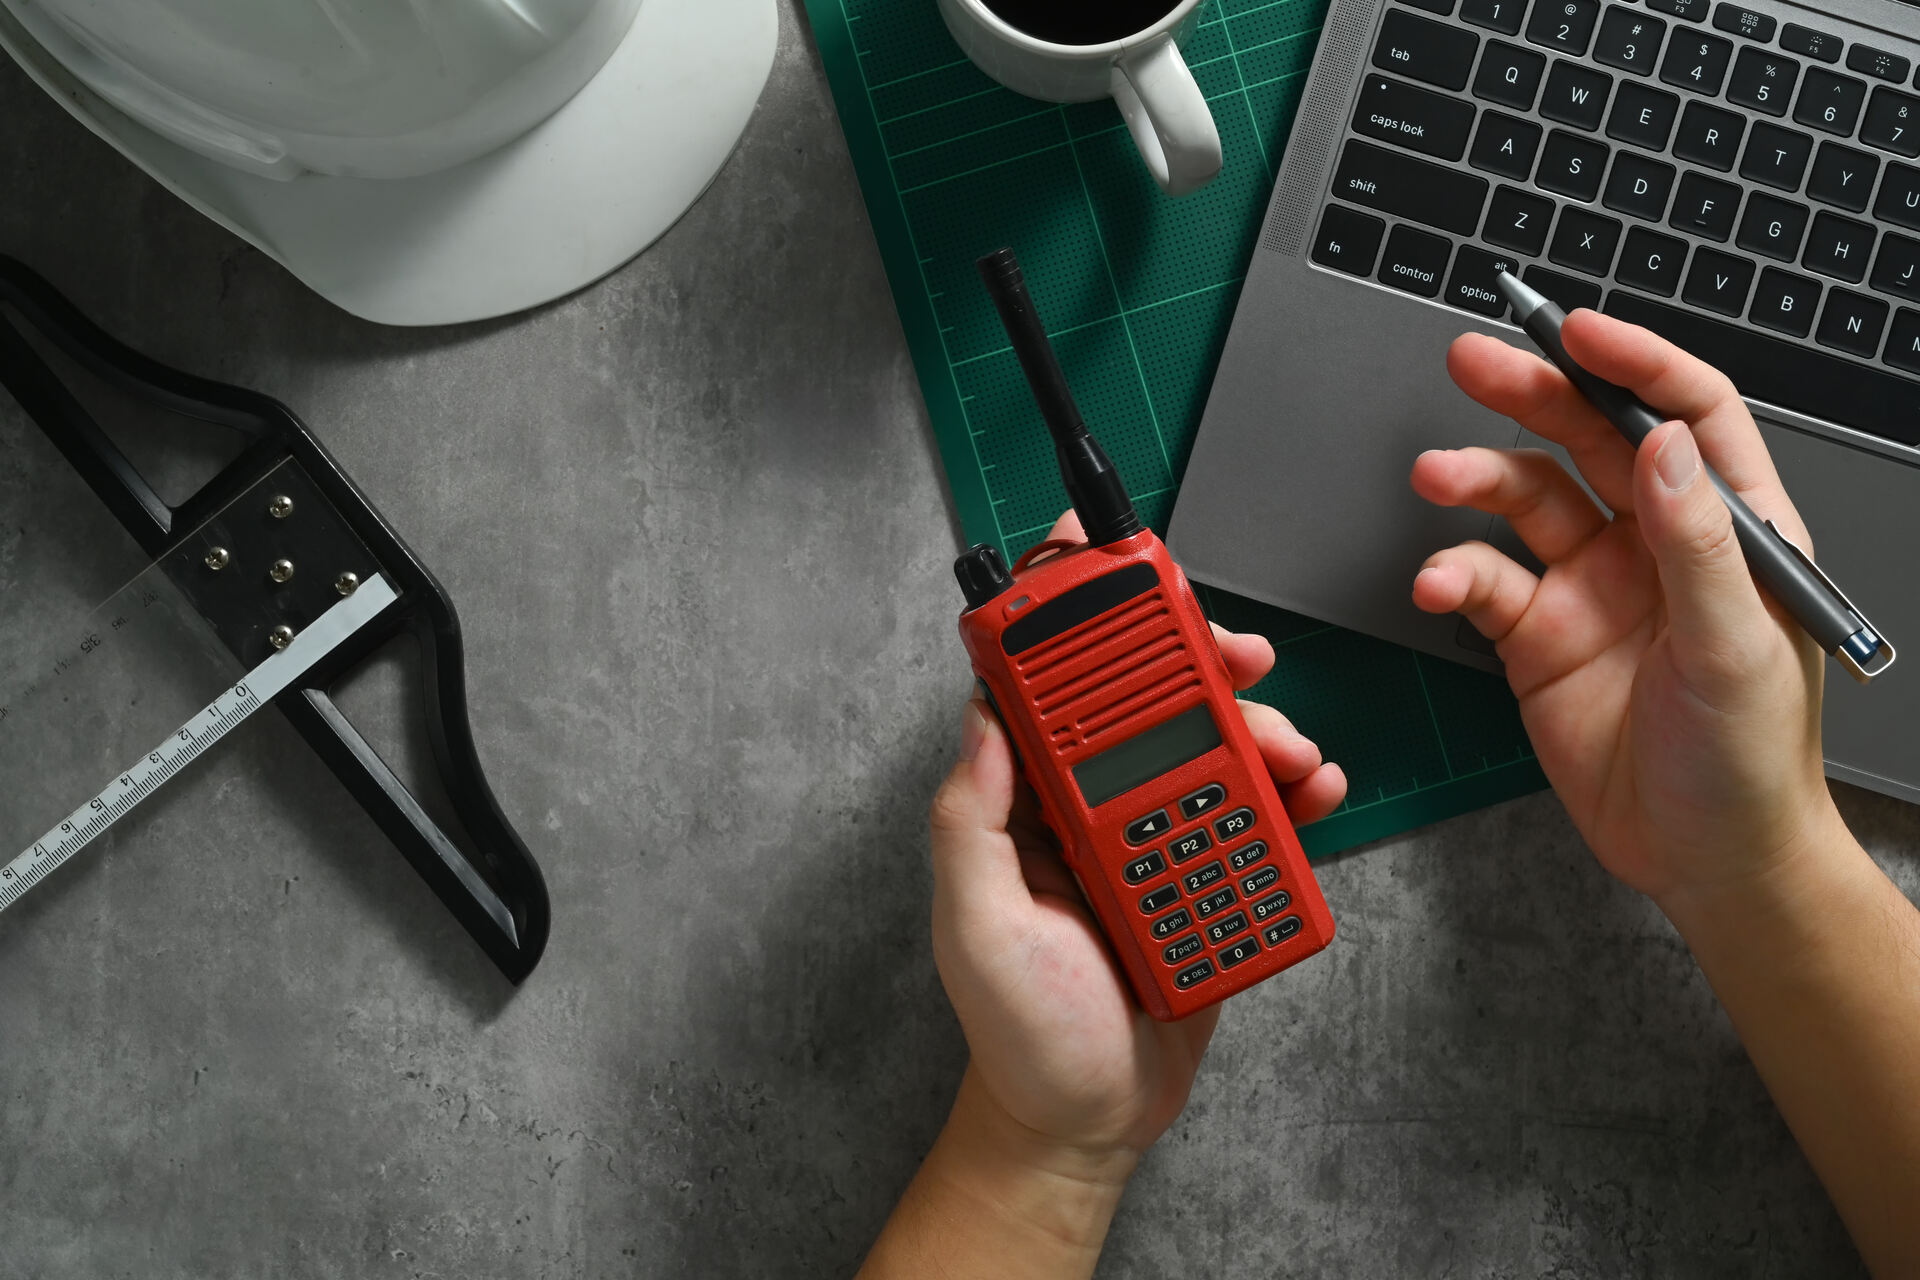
[
  {"x": 1678, "y": 461},
  {"x": 973, "y": 730}
]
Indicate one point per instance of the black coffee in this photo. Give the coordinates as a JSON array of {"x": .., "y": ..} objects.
[{"x": 1082, "y": 21}]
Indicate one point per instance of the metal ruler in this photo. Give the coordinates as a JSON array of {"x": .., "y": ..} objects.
[{"x": 192, "y": 740}]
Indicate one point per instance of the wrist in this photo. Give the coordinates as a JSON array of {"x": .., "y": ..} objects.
[
  {"x": 1779, "y": 901},
  {"x": 1059, "y": 1195}
]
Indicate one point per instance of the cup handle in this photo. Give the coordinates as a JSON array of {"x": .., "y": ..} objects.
[{"x": 1168, "y": 116}]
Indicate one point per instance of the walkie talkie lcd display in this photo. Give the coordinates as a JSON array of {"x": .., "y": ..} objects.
[{"x": 1114, "y": 694}]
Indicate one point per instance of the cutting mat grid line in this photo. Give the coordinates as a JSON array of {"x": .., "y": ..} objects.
[{"x": 1139, "y": 291}]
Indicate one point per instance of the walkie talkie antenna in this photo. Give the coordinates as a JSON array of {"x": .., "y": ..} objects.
[{"x": 1093, "y": 482}]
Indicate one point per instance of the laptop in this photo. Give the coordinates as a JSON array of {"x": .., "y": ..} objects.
[{"x": 1741, "y": 178}]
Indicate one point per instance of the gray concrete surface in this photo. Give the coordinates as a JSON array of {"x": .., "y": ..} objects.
[{"x": 696, "y": 528}]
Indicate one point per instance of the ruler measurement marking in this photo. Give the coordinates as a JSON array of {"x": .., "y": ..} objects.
[{"x": 187, "y": 744}]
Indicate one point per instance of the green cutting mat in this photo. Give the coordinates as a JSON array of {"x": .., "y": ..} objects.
[{"x": 1138, "y": 291}]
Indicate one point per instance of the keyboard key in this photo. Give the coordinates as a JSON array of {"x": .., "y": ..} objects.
[
  {"x": 1743, "y": 22},
  {"x": 1803, "y": 379},
  {"x": 1785, "y": 302},
  {"x": 1576, "y": 95},
  {"x": 1709, "y": 136},
  {"x": 1517, "y": 220},
  {"x": 1272, "y": 904},
  {"x": 1795, "y": 38},
  {"x": 1571, "y": 165},
  {"x": 1425, "y": 49},
  {"x": 1878, "y": 63},
  {"x": 1160, "y": 899},
  {"x": 1348, "y": 240},
  {"x": 1245, "y": 949},
  {"x": 1775, "y": 156},
  {"x": 1852, "y": 322},
  {"x": 1418, "y": 119},
  {"x": 1505, "y": 145},
  {"x": 1565, "y": 25},
  {"x": 1897, "y": 269},
  {"x": 1691, "y": 10},
  {"x": 1638, "y": 186},
  {"x": 1471, "y": 287},
  {"x": 1705, "y": 206},
  {"x": 1183, "y": 949},
  {"x": 1893, "y": 122},
  {"x": 1214, "y": 872},
  {"x": 1441, "y": 7},
  {"x": 1278, "y": 933},
  {"x": 1899, "y": 200},
  {"x": 1842, "y": 176},
  {"x": 1149, "y": 828},
  {"x": 1584, "y": 241},
  {"x": 1718, "y": 282},
  {"x": 1652, "y": 262},
  {"x": 1397, "y": 183},
  {"x": 1194, "y": 843},
  {"x": 1696, "y": 62},
  {"x": 1839, "y": 247},
  {"x": 1193, "y": 976},
  {"x": 1772, "y": 228},
  {"x": 1629, "y": 40},
  {"x": 1903, "y": 352},
  {"x": 1762, "y": 80},
  {"x": 1251, "y": 852},
  {"x": 1240, "y": 821},
  {"x": 1205, "y": 800},
  {"x": 1570, "y": 293},
  {"x": 1495, "y": 15},
  {"x": 1642, "y": 116},
  {"x": 1214, "y": 903},
  {"x": 1168, "y": 925},
  {"x": 1151, "y": 863},
  {"x": 1225, "y": 927},
  {"x": 1260, "y": 881},
  {"x": 1830, "y": 102},
  {"x": 1509, "y": 75}
]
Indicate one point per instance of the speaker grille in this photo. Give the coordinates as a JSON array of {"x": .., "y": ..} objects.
[
  {"x": 1317, "y": 128},
  {"x": 1072, "y": 678}
]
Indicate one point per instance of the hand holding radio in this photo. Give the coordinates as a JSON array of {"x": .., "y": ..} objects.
[{"x": 1675, "y": 710}]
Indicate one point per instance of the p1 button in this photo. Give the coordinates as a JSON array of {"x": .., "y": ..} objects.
[
  {"x": 1147, "y": 864},
  {"x": 1150, "y": 828}
]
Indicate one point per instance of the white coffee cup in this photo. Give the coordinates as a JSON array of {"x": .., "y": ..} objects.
[{"x": 1144, "y": 73}]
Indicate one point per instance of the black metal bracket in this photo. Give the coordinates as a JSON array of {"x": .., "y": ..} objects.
[{"x": 326, "y": 525}]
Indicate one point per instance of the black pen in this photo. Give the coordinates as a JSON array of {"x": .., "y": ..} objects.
[{"x": 1819, "y": 606}]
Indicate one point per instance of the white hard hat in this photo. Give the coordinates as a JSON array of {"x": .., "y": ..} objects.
[{"x": 416, "y": 161}]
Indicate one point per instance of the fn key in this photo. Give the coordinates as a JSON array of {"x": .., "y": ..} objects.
[{"x": 1348, "y": 240}]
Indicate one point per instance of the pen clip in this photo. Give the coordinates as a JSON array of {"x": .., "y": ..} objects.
[{"x": 1863, "y": 674}]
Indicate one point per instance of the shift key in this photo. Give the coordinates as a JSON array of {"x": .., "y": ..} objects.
[{"x": 1405, "y": 187}]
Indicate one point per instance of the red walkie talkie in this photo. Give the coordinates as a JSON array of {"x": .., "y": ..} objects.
[{"x": 1119, "y": 707}]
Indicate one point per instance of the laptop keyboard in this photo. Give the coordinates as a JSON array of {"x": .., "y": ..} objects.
[{"x": 1721, "y": 176}]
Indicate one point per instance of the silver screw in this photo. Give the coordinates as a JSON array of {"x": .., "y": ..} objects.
[
  {"x": 282, "y": 571},
  {"x": 347, "y": 583},
  {"x": 281, "y": 507},
  {"x": 281, "y": 636},
  {"x": 218, "y": 558}
]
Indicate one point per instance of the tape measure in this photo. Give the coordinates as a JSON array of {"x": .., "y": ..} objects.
[{"x": 192, "y": 739}]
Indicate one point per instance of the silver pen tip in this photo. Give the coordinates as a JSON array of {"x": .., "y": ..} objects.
[{"x": 1524, "y": 300}]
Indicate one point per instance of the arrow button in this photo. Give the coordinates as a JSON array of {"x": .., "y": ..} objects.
[
  {"x": 1206, "y": 799},
  {"x": 1151, "y": 827}
]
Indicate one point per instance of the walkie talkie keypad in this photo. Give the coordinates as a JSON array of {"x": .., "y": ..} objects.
[
  {"x": 1184, "y": 949},
  {"x": 1168, "y": 925},
  {"x": 1193, "y": 974},
  {"x": 1278, "y": 933},
  {"x": 1247, "y": 855},
  {"x": 1149, "y": 828},
  {"x": 1271, "y": 905},
  {"x": 1205, "y": 800},
  {"x": 1190, "y": 845},
  {"x": 1210, "y": 874},
  {"x": 1225, "y": 927},
  {"x": 1215, "y": 902},
  {"x": 1245, "y": 949},
  {"x": 1260, "y": 881},
  {"x": 1147, "y": 864},
  {"x": 1160, "y": 899},
  {"x": 1237, "y": 823}
]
